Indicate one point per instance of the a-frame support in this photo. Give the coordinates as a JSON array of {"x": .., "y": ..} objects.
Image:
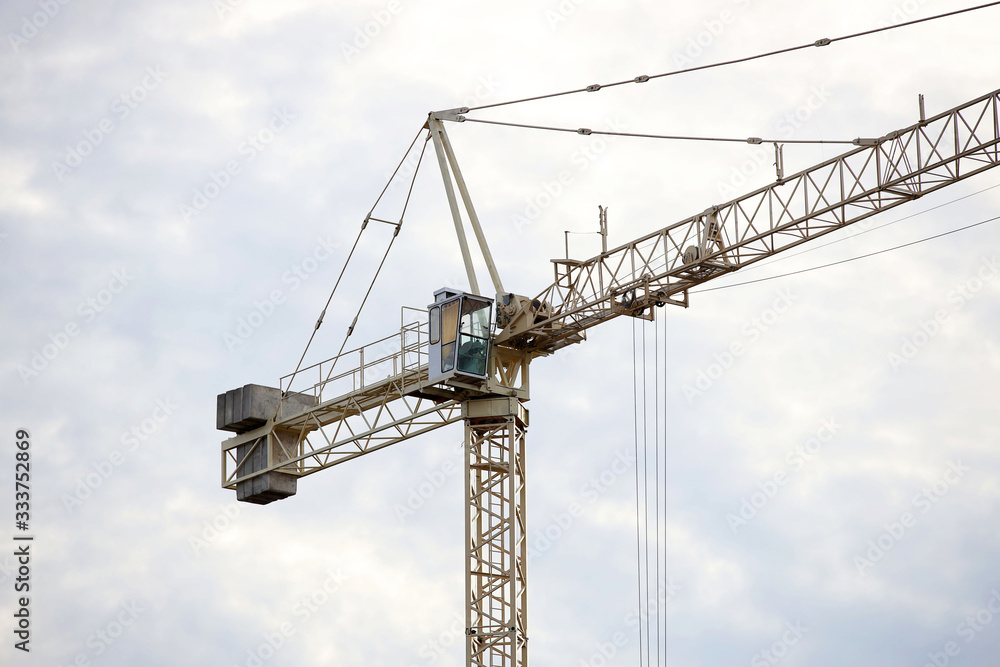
[{"x": 449, "y": 167}]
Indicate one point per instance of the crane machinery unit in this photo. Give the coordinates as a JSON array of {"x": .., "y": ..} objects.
[{"x": 460, "y": 361}]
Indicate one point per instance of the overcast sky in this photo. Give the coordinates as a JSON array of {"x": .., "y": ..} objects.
[{"x": 180, "y": 184}]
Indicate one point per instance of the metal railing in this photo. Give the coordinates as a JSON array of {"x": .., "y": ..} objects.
[{"x": 398, "y": 356}]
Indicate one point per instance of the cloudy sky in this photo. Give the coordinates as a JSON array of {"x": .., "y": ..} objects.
[{"x": 172, "y": 172}]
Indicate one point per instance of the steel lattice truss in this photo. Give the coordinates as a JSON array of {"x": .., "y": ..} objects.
[
  {"x": 372, "y": 413},
  {"x": 496, "y": 588},
  {"x": 897, "y": 168},
  {"x": 354, "y": 426}
]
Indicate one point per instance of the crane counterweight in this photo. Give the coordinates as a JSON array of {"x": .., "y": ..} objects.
[{"x": 249, "y": 408}]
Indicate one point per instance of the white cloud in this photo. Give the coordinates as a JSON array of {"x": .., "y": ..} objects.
[{"x": 163, "y": 337}]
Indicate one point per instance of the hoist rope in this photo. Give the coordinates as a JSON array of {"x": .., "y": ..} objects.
[
  {"x": 638, "y": 522},
  {"x": 656, "y": 474},
  {"x": 649, "y": 413},
  {"x": 668, "y": 587},
  {"x": 645, "y": 486}
]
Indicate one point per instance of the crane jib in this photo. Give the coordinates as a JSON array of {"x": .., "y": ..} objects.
[{"x": 662, "y": 266}]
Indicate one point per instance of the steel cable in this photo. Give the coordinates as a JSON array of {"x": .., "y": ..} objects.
[
  {"x": 364, "y": 225},
  {"x": 817, "y": 43}
]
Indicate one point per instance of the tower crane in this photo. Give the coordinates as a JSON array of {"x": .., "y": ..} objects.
[{"x": 461, "y": 361}]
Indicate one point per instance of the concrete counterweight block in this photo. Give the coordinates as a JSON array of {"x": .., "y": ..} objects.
[
  {"x": 269, "y": 486},
  {"x": 250, "y": 407},
  {"x": 244, "y": 409}
]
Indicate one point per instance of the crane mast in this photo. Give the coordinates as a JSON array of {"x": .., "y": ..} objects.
[{"x": 283, "y": 435}]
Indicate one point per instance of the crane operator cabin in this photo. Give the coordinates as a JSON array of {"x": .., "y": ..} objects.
[{"x": 459, "y": 337}]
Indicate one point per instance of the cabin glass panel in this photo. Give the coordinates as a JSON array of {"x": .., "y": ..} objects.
[
  {"x": 460, "y": 329},
  {"x": 474, "y": 336},
  {"x": 435, "y": 325},
  {"x": 449, "y": 329}
]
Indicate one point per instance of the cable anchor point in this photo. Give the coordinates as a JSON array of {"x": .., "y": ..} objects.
[{"x": 454, "y": 115}]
